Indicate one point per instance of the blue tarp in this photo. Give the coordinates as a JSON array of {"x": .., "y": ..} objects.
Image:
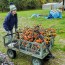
[
  {"x": 54, "y": 14},
  {"x": 35, "y": 15}
]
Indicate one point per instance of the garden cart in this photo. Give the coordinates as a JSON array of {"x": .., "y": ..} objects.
[{"x": 37, "y": 51}]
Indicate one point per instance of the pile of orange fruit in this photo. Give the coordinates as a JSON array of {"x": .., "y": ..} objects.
[{"x": 37, "y": 34}]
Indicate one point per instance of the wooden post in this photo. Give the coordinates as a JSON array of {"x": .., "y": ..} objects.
[{"x": 63, "y": 4}]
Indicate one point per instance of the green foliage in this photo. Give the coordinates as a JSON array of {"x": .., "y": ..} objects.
[
  {"x": 45, "y": 1},
  {"x": 27, "y": 4},
  {"x": 3, "y": 5},
  {"x": 23, "y": 4},
  {"x": 42, "y": 1},
  {"x": 33, "y": 4}
]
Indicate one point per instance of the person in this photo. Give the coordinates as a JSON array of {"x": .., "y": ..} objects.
[{"x": 11, "y": 20}]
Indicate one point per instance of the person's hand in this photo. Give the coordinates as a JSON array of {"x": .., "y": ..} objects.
[
  {"x": 16, "y": 30},
  {"x": 9, "y": 32}
]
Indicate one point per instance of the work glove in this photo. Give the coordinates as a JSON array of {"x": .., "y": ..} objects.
[{"x": 9, "y": 32}]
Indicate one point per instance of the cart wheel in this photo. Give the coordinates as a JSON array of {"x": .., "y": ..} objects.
[
  {"x": 11, "y": 53},
  {"x": 36, "y": 61}
]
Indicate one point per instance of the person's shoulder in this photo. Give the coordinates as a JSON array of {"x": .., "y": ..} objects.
[{"x": 8, "y": 15}]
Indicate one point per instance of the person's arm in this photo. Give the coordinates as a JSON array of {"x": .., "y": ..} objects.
[
  {"x": 16, "y": 24},
  {"x": 6, "y": 21}
]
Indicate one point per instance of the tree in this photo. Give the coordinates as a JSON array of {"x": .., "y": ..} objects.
[
  {"x": 27, "y": 4},
  {"x": 21, "y": 4},
  {"x": 50, "y": 0},
  {"x": 3, "y": 4},
  {"x": 43, "y": 1}
]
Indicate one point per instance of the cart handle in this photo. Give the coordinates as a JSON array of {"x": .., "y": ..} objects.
[
  {"x": 5, "y": 37},
  {"x": 17, "y": 33}
]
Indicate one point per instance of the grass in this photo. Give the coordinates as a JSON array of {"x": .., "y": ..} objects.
[{"x": 25, "y": 20}]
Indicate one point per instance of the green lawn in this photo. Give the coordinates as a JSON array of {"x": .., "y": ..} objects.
[{"x": 25, "y": 20}]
